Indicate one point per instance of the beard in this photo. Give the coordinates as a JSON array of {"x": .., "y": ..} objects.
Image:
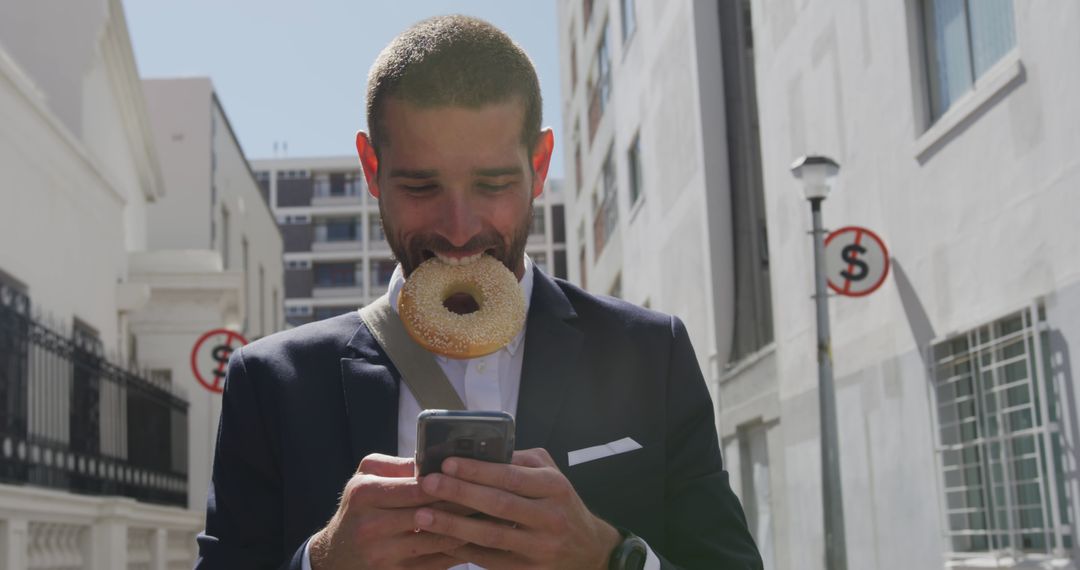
[{"x": 411, "y": 252}]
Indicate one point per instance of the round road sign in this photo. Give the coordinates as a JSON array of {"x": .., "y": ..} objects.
[
  {"x": 210, "y": 356},
  {"x": 856, "y": 261}
]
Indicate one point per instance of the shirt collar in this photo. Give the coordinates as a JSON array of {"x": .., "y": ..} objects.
[{"x": 397, "y": 280}]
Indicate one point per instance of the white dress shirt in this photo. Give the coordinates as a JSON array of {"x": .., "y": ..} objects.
[{"x": 486, "y": 383}]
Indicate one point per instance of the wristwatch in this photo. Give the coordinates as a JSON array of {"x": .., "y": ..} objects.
[{"x": 630, "y": 554}]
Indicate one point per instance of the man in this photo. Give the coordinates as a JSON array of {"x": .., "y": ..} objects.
[{"x": 312, "y": 463}]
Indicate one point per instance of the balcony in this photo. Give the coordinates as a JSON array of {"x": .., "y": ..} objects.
[{"x": 72, "y": 420}]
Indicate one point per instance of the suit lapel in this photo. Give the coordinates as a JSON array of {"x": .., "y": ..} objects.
[
  {"x": 370, "y": 384},
  {"x": 552, "y": 349}
]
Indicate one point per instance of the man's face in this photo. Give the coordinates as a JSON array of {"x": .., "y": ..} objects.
[{"x": 455, "y": 182}]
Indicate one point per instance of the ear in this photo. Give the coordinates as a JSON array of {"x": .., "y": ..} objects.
[
  {"x": 541, "y": 160},
  {"x": 368, "y": 161}
]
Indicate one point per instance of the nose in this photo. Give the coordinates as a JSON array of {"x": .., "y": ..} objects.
[{"x": 461, "y": 221}]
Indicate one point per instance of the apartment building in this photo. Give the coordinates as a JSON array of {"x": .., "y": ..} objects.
[
  {"x": 955, "y": 125},
  {"x": 336, "y": 256}
]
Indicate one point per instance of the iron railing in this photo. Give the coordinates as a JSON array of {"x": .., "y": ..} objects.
[{"x": 71, "y": 419}]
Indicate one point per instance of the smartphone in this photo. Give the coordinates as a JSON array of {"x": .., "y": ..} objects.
[{"x": 487, "y": 436}]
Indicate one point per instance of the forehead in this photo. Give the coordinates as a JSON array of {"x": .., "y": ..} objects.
[{"x": 452, "y": 134}]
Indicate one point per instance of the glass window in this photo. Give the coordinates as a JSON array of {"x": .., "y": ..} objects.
[
  {"x": 629, "y": 19},
  {"x": 599, "y": 84},
  {"x": 381, "y": 271},
  {"x": 337, "y": 274},
  {"x": 328, "y": 312},
  {"x": 998, "y": 439},
  {"x": 540, "y": 260},
  {"x": 538, "y": 225},
  {"x": 964, "y": 39},
  {"x": 633, "y": 159},
  {"x": 605, "y": 207}
]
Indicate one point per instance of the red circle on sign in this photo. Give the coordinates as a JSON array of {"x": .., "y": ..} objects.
[
  {"x": 859, "y": 233},
  {"x": 214, "y": 383}
]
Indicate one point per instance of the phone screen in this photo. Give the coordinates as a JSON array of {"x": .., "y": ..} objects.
[{"x": 487, "y": 436}]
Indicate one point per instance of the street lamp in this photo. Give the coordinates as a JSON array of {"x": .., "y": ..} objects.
[{"x": 816, "y": 173}]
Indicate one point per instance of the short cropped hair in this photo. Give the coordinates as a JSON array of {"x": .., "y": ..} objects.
[{"x": 453, "y": 60}]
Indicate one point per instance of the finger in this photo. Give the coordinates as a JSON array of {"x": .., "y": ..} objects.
[
  {"x": 489, "y": 500},
  {"x": 384, "y": 524},
  {"x": 431, "y": 562},
  {"x": 385, "y": 492},
  {"x": 535, "y": 457},
  {"x": 453, "y": 508},
  {"x": 484, "y": 533},
  {"x": 386, "y": 465},
  {"x": 411, "y": 545},
  {"x": 519, "y": 480}
]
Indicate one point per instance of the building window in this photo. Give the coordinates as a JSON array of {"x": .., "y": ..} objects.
[
  {"x": 633, "y": 160},
  {"x": 540, "y": 260},
  {"x": 599, "y": 84},
  {"x": 964, "y": 39},
  {"x": 560, "y": 264},
  {"x": 381, "y": 271},
  {"x": 605, "y": 208},
  {"x": 538, "y": 227},
  {"x": 337, "y": 184},
  {"x": 999, "y": 441},
  {"x": 298, "y": 264},
  {"x": 328, "y": 312},
  {"x": 224, "y": 237},
  {"x": 337, "y": 229},
  {"x": 573, "y": 59},
  {"x": 629, "y": 19},
  {"x": 337, "y": 274}
]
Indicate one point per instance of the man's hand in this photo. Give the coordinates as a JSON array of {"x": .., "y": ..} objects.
[
  {"x": 374, "y": 524},
  {"x": 546, "y": 523}
]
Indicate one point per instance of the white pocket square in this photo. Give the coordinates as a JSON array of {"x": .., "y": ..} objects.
[{"x": 601, "y": 451}]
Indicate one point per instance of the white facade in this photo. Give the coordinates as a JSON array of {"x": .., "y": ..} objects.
[
  {"x": 81, "y": 169},
  {"x": 979, "y": 210},
  {"x": 336, "y": 256},
  {"x": 669, "y": 249},
  {"x": 215, "y": 258}
]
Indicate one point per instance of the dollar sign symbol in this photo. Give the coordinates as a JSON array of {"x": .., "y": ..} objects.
[
  {"x": 221, "y": 355},
  {"x": 850, "y": 256}
]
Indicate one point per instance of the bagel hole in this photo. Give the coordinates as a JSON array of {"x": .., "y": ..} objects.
[
  {"x": 461, "y": 300},
  {"x": 461, "y": 304}
]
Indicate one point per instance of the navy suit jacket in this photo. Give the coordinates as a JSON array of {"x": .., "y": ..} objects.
[{"x": 301, "y": 408}]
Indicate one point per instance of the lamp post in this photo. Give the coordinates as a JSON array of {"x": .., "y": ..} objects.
[{"x": 816, "y": 173}]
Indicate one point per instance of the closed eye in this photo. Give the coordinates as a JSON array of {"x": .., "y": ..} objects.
[
  {"x": 419, "y": 188},
  {"x": 490, "y": 187}
]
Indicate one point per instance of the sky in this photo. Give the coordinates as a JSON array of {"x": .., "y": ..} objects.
[{"x": 296, "y": 71}]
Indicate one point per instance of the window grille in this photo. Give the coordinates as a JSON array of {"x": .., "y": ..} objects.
[{"x": 999, "y": 446}]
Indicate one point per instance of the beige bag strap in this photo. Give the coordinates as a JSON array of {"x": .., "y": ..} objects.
[{"x": 427, "y": 382}]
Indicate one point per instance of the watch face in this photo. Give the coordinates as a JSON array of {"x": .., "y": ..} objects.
[{"x": 636, "y": 559}]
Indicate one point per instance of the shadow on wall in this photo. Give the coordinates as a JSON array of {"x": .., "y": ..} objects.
[
  {"x": 1061, "y": 382},
  {"x": 917, "y": 319},
  {"x": 1060, "y": 389}
]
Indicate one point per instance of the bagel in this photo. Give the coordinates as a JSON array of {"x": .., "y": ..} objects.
[{"x": 495, "y": 289}]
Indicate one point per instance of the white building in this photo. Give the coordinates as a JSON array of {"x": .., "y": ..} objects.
[
  {"x": 956, "y": 125},
  {"x": 649, "y": 206},
  {"x": 336, "y": 256},
  {"x": 80, "y": 168},
  {"x": 215, "y": 252}
]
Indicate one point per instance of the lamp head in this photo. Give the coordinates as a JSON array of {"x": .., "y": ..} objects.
[{"x": 816, "y": 173}]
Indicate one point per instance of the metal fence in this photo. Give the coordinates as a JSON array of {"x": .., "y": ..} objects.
[{"x": 71, "y": 419}]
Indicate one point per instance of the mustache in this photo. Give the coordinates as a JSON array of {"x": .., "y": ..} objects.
[{"x": 440, "y": 244}]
